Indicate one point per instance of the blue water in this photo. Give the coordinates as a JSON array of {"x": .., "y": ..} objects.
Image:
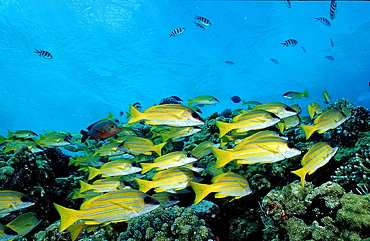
[{"x": 109, "y": 54}]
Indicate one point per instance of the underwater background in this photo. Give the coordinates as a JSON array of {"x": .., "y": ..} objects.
[{"x": 78, "y": 77}]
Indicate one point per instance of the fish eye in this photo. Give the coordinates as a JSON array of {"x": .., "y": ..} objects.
[
  {"x": 290, "y": 109},
  {"x": 292, "y": 146},
  {"x": 189, "y": 155},
  {"x": 134, "y": 164},
  {"x": 150, "y": 200},
  {"x": 195, "y": 115},
  {"x": 111, "y": 126}
]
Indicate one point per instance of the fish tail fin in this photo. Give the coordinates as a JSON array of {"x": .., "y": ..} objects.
[
  {"x": 93, "y": 172},
  {"x": 281, "y": 126},
  {"x": 311, "y": 111},
  {"x": 75, "y": 230},
  {"x": 84, "y": 136},
  {"x": 2, "y": 139},
  {"x": 76, "y": 194},
  {"x": 67, "y": 216},
  {"x": 302, "y": 174},
  {"x": 135, "y": 115},
  {"x": 144, "y": 185},
  {"x": 201, "y": 191},
  {"x": 158, "y": 148},
  {"x": 165, "y": 137},
  {"x": 190, "y": 101},
  {"x": 146, "y": 167},
  {"x": 224, "y": 127},
  {"x": 223, "y": 157},
  {"x": 305, "y": 94},
  {"x": 308, "y": 130},
  {"x": 84, "y": 186}
]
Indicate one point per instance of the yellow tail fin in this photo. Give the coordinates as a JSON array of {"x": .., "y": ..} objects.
[
  {"x": 224, "y": 127},
  {"x": 308, "y": 130},
  {"x": 76, "y": 229},
  {"x": 93, "y": 172},
  {"x": 146, "y": 167},
  {"x": 201, "y": 191},
  {"x": 311, "y": 111},
  {"x": 135, "y": 115},
  {"x": 84, "y": 186},
  {"x": 67, "y": 217},
  {"x": 305, "y": 94},
  {"x": 223, "y": 157},
  {"x": 158, "y": 148},
  {"x": 302, "y": 174},
  {"x": 144, "y": 185}
]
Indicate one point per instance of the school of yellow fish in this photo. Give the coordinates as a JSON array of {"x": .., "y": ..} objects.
[{"x": 131, "y": 154}]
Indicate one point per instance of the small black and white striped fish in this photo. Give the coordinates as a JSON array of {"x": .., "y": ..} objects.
[
  {"x": 44, "y": 54},
  {"x": 333, "y": 9},
  {"x": 323, "y": 20},
  {"x": 200, "y": 26},
  {"x": 176, "y": 32},
  {"x": 203, "y": 21},
  {"x": 290, "y": 42}
]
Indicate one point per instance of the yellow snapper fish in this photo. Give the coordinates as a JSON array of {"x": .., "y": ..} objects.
[
  {"x": 278, "y": 108},
  {"x": 297, "y": 108},
  {"x": 295, "y": 95},
  {"x": 264, "y": 150},
  {"x": 102, "y": 185},
  {"x": 258, "y": 135},
  {"x": 169, "y": 180},
  {"x": 203, "y": 149},
  {"x": 318, "y": 155},
  {"x": 330, "y": 119},
  {"x": 203, "y": 100},
  {"x": 32, "y": 146},
  {"x": 251, "y": 120},
  {"x": 166, "y": 199},
  {"x": 86, "y": 195},
  {"x": 24, "y": 223},
  {"x": 325, "y": 97},
  {"x": 53, "y": 140},
  {"x": 172, "y": 159},
  {"x": 314, "y": 109},
  {"x": 167, "y": 114},
  {"x": 12, "y": 201},
  {"x": 176, "y": 133},
  {"x": 288, "y": 122},
  {"x": 226, "y": 184},
  {"x": 110, "y": 149},
  {"x": 22, "y": 134},
  {"x": 138, "y": 145},
  {"x": 251, "y": 104},
  {"x": 87, "y": 160},
  {"x": 117, "y": 167},
  {"x": 7, "y": 234},
  {"x": 114, "y": 206}
]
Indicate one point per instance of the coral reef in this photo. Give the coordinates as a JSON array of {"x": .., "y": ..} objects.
[
  {"x": 171, "y": 223},
  {"x": 322, "y": 213}
]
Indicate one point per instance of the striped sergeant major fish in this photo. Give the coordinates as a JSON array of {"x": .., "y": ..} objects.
[
  {"x": 224, "y": 185},
  {"x": 44, "y": 54},
  {"x": 289, "y": 42},
  {"x": 318, "y": 155},
  {"x": 177, "y": 32},
  {"x": 167, "y": 114},
  {"x": 323, "y": 21},
  {"x": 203, "y": 21},
  {"x": 330, "y": 119},
  {"x": 200, "y": 26},
  {"x": 333, "y": 9}
]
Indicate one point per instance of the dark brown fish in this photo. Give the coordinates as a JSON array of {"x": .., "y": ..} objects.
[{"x": 101, "y": 130}]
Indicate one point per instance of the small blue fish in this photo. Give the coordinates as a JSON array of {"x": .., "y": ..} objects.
[
  {"x": 288, "y": 4},
  {"x": 177, "y": 32},
  {"x": 290, "y": 42},
  {"x": 323, "y": 21},
  {"x": 333, "y": 9},
  {"x": 331, "y": 43},
  {"x": 274, "y": 60},
  {"x": 235, "y": 99},
  {"x": 329, "y": 57},
  {"x": 229, "y": 62},
  {"x": 203, "y": 21},
  {"x": 200, "y": 26},
  {"x": 44, "y": 54},
  {"x": 304, "y": 50}
]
